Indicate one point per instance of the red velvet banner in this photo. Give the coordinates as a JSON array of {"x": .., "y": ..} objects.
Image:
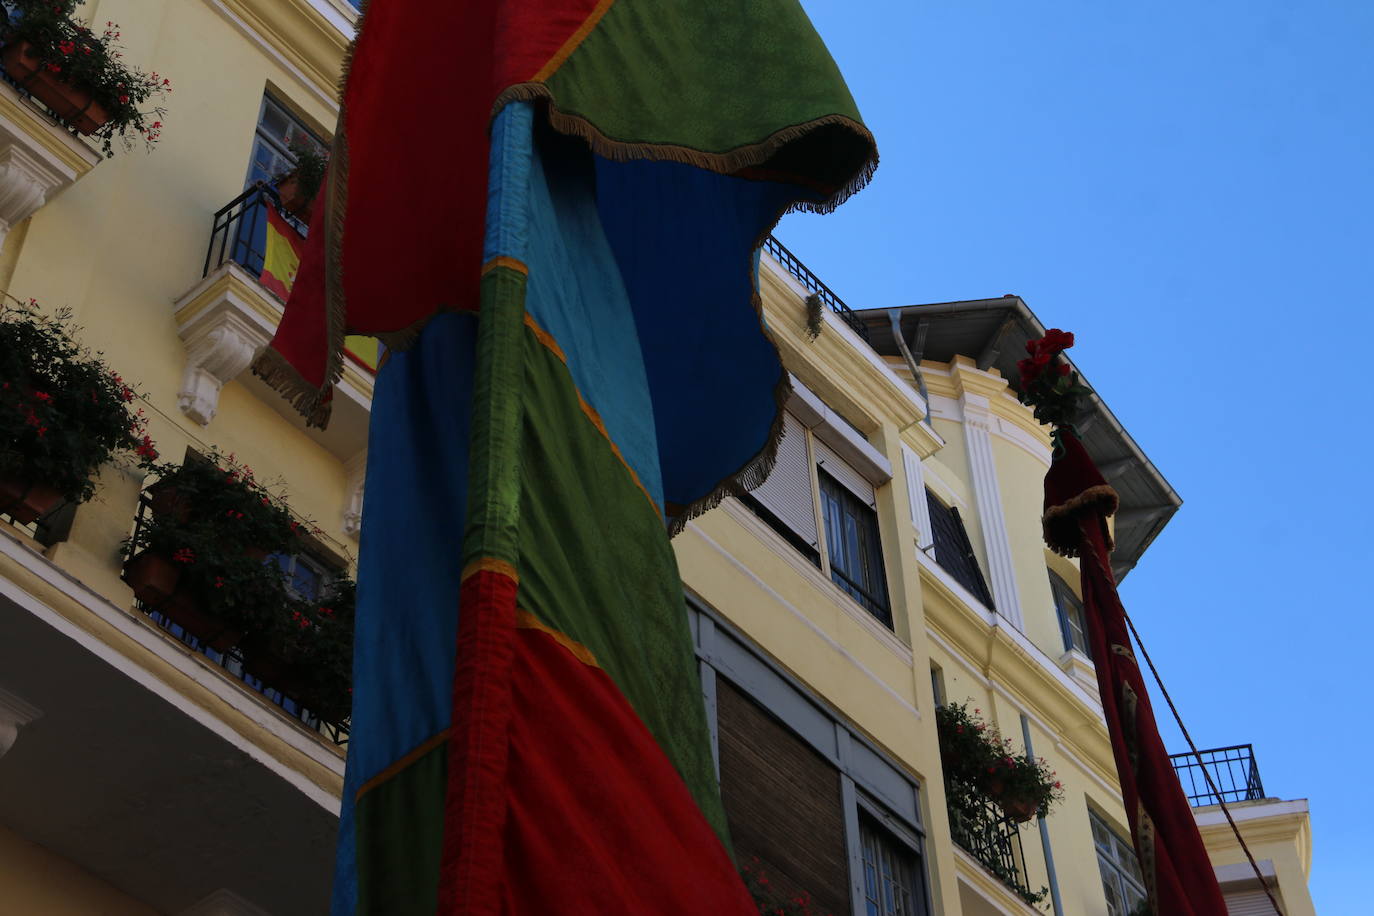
[{"x": 1173, "y": 859}]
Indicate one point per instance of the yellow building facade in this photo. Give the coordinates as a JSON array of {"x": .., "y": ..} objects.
[{"x": 140, "y": 775}]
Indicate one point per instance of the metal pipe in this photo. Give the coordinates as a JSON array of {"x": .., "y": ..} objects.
[
  {"x": 895, "y": 317},
  {"x": 1044, "y": 831}
]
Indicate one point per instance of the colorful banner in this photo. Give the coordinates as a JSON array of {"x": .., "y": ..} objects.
[{"x": 576, "y": 365}]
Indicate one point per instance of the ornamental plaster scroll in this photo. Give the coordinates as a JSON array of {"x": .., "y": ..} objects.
[
  {"x": 15, "y": 713},
  {"x": 37, "y": 160},
  {"x": 356, "y": 468},
  {"x": 222, "y": 339}
]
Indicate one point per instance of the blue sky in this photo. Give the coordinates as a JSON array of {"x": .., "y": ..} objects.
[{"x": 1189, "y": 187}]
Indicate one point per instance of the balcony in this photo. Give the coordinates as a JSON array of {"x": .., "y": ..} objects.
[
  {"x": 1233, "y": 771},
  {"x": 230, "y": 661},
  {"x": 40, "y": 156},
  {"x": 227, "y": 318},
  {"x": 803, "y": 275},
  {"x": 979, "y": 827}
]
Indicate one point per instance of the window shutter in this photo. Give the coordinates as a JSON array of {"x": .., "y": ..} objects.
[
  {"x": 783, "y": 803},
  {"x": 953, "y": 550},
  {"x": 787, "y": 491},
  {"x": 1249, "y": 903},
  {"x": 841, "y": 470}
]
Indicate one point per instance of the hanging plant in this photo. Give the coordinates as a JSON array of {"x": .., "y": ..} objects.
[
  {"x": 63, "y": 413},
  {"x": 978, "y": 761},
  {"x": 80, "y": 73},
  {"x": 299, "y": 186}
]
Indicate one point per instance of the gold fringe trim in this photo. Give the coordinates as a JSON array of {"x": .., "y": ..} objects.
[
  {"x": 282, "y": 377},
  {"x": 524, "y": 620},
  {"x": 1100, "y": 498},
  {"x": 727, "y": 163}
]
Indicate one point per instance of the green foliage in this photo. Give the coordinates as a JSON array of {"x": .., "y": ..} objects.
[
  {"x": 771, "y": 900},
  {"x": 63, "y": 412},
  {"x": 309, "y": 170},
  {"x": 979, "y": 762},
  {"x": 72, "y": 51},
  {"x": 225, "y": 529}
]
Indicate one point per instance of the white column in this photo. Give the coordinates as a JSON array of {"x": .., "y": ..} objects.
[
  {"x": 988, "y": 495},
  {"x": 916, "y": 495}
]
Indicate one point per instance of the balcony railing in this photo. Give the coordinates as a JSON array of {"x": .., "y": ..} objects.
[
  {"x": 239, "y": 232},
  {"x": 981, "y": 828},
  {"x": 803, "y": 275},
  {"x": 232, "y": 660},
  {"x": 1233, "y": 770}
]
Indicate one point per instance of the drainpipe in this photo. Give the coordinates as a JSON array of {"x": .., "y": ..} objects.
[
  {"x": 1044, "y": 831},
  {"x": 895, "y": 316}
]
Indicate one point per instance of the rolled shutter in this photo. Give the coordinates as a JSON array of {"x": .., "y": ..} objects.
[
  {"x": 787, "y": 491},
  {"x": 844, "y": 472}
]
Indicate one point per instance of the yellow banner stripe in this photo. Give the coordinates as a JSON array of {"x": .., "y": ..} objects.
[
  {"x": 524, "y": 620},
  {"x": 510, "y": 263},
  {"x": 573, "y": 41},
  {"x": 490, "y": 564},
  {"x": 400, "y": 764},
  {"x": 545, "y": 338}
]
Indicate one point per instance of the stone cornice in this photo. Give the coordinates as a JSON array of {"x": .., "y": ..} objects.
[
  {"x": 307, "y": 41},
  {"x": 949, "y": 380},
  {"x": 999, "y": 653},
  {"x": 837, "y": 365}
]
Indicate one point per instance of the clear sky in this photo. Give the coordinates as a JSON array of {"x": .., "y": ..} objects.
[{"x": 1189, "y": 187}]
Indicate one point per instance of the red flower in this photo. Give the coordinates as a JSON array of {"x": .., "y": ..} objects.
[
  {"x": 123, "y": 100},
  {"x": 67, "y": 47},
  {"x": 327, "y": 611},
  {"x": 184, "y": 555},
  {"x": 42, "y": 396},
  {"x": 145, "y": 449},
  {"x": 54, "y": 68},
  {"x": 219, "y": 582}
]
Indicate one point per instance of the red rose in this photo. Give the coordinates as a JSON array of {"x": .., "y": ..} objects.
[{"x": 1063, "y": 369}]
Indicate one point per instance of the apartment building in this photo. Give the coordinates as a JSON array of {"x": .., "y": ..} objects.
[{"x": 891, "y": 563}]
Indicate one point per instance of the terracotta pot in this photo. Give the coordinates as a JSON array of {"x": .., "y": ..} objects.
[
  {"x": 167, "y": 501},
  {"x": 1018, "y": 809},
  {"x": 156, "y": 581},
  {"x": 293, "y": 199},
  {"x": 72, "y": 104},
  {"x": 26, "y": 501}
]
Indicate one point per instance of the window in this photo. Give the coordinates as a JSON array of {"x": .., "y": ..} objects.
[
  {"x": 1071, "y": 621},
  {"x": 890, "y": 873},
  {"x": 953, "y": 551},
  {"x": 276, "y": 132},
  {"x": 856, "y": 554},
  {"x": 937, "y": 684},
  {"x": 1121, "y": 878},
  {"x": 852, "y": 548},
  {"x": 306, "y": 578}
]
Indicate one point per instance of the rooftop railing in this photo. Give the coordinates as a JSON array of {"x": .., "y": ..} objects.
[
  {"x": 803, "y": 275},
  {"x": 1233, "y": 770}
]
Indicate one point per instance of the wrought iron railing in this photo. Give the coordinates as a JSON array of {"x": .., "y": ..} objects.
[
  {"x": 231, "y": 660},
  {"x": 239, "y": 231},
  {"x": 1233, "y": 770},
  {"x": 803, "y": 275},
  {"x": 985, "y": 832}
]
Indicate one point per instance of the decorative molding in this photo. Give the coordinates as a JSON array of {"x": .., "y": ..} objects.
[
  {"x": 831, "y": 428},
  {"x": 223, "y": 902},
  {"x": 1081, "y": 668},
  {"x": 356, "y": 468},
  {"x": 38, "y": 159},
  {"x": 303, "y": 37},
  {"x": 224, "y": 333},
  {"x": 988, "y": 497},
  {"x": 15, "y": 713}
]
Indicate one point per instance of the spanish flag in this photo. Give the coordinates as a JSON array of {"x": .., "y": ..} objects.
[
  {"x": 282, "y": 257},
  {"x": 553, "y": 230}
]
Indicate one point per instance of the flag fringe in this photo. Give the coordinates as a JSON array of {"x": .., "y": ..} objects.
[
  {"x": 725, "y": 163},
  {"x": 1063, "y": 538},
  {"x": 282, "y": 377}
]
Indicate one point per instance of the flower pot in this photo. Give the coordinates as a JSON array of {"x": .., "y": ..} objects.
[
  {"x": 166, "y": 500},
  {"x": 1018, "y": 809},
  {"x": 26, "y": 501},
  {"x": 156, "y": 581},
  {"x": 293, "y": 199},
  {"x": 72, "y": 104}
]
